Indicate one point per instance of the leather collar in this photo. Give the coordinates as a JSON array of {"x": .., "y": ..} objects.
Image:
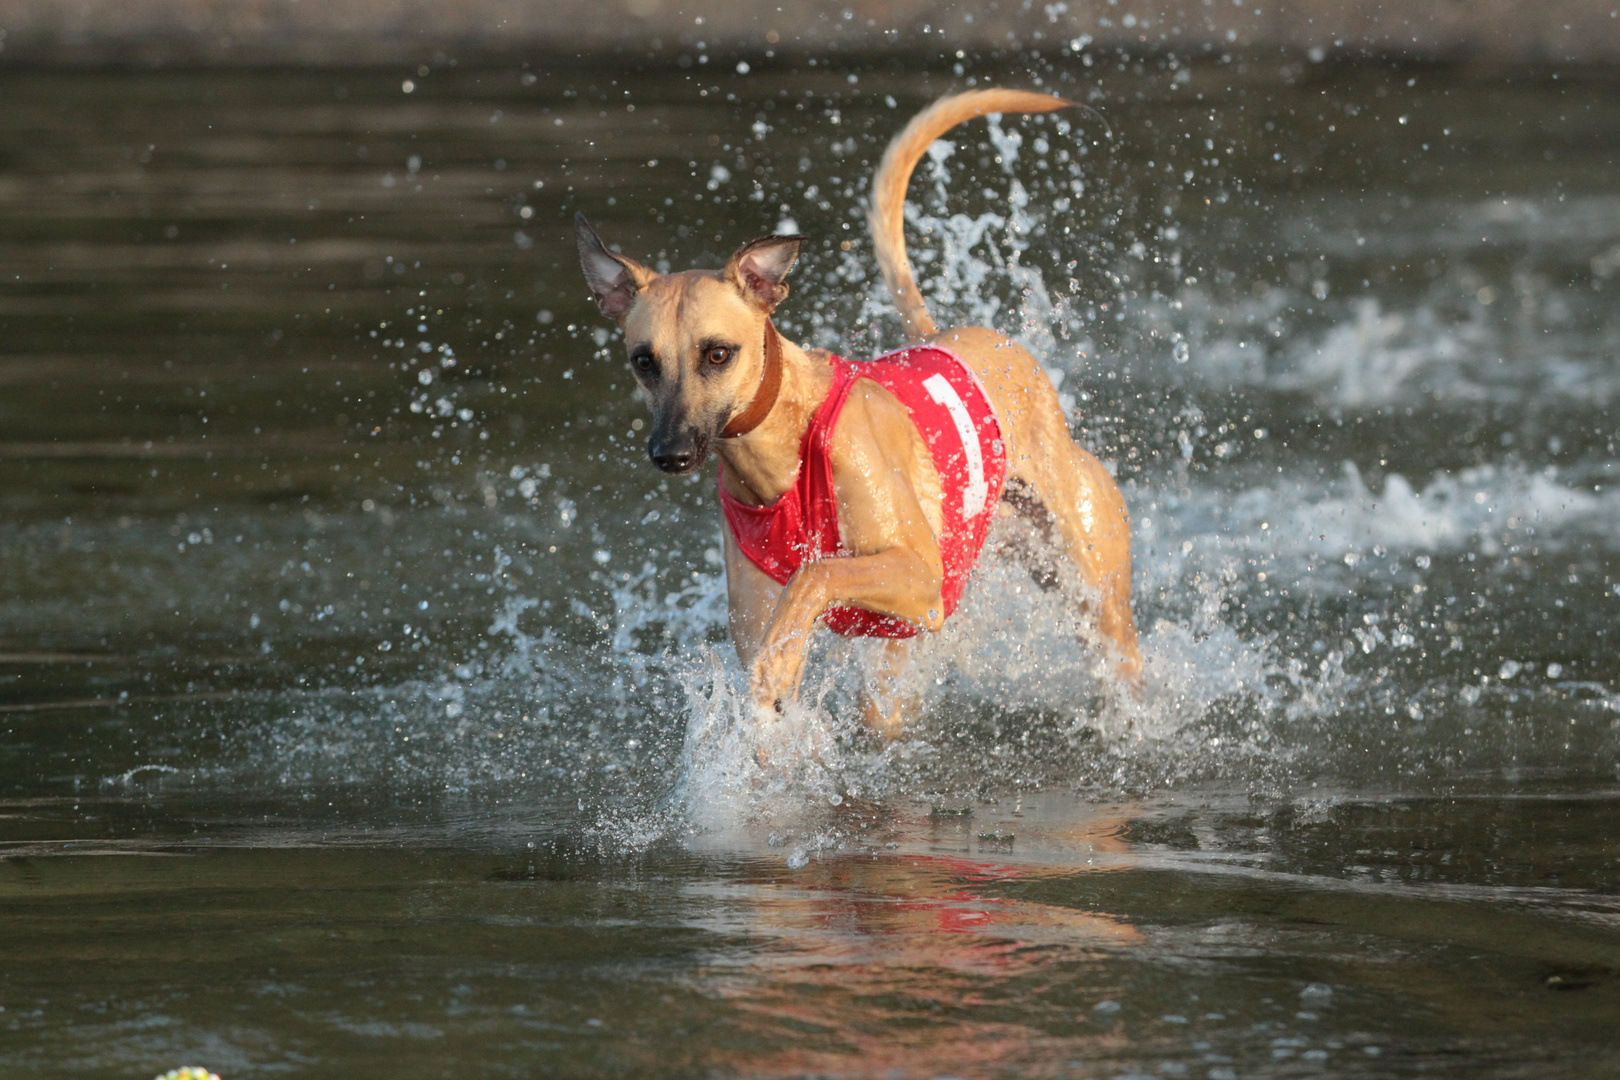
[{"x": 770, "y": 384}]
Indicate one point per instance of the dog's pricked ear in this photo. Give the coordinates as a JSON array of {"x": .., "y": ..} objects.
[
  {"x": 760, "y": 269},
  {"x": 614, "y": 279}
]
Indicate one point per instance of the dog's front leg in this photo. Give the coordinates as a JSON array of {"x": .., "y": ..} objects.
[
  {"x": 751, "y": 597},
  {"x": 898, "y": 582}
]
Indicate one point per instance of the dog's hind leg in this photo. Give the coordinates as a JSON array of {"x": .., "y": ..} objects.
[
  {"x": 1085, "y": 504},
  {"x": 1068, "y": 488}
]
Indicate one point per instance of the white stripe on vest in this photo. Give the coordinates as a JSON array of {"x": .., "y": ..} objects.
[{"x": 973, "y": 499}]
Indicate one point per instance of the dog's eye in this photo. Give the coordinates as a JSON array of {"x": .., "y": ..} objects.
[
  {"x": 717, "y": 354},
  {"x": 643, "y": 362}
]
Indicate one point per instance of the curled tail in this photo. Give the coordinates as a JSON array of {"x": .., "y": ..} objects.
[{"x": 886, "y": 217}]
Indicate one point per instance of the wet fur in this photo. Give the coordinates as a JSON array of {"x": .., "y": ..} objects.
[{"x": 695, "y": 339}]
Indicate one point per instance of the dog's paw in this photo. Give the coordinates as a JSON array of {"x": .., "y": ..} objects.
[{"x": 775, "y": 680}]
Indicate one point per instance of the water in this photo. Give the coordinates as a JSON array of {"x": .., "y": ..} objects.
[{"x": 364, "y": 698}]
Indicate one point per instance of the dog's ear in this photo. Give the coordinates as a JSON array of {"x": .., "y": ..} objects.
[
  {"x": 760, "y": 269},
  {"x": 613, "y": 278}
]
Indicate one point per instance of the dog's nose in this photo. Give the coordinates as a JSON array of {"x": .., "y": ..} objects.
[
  {"x": 677, "y": 461},
  {"x": 677, "y": 450}
]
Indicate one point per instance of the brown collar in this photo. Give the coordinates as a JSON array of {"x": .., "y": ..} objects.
[{"x": 770, "y": 384}]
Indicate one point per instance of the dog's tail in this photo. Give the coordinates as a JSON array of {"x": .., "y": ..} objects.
[{"x": 886, "y": 216}]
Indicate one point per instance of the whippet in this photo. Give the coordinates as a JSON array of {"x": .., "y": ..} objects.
[{"x": 860, "y": 494}]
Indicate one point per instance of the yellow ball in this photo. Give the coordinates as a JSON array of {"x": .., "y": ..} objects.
[{"x": 190, "y": 1072}]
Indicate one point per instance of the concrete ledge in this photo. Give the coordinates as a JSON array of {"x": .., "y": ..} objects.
[{"x": 376, "y": 32}]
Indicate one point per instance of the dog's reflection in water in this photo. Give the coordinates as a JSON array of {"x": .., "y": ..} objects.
[{"x": 927, "y": 964}]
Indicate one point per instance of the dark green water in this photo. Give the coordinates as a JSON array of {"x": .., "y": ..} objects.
[{"x": 365, "y": 706}]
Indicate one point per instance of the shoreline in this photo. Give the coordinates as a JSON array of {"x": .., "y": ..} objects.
[{"x": 367, "y": 33}]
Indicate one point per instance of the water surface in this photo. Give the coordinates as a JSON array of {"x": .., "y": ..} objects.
[{"x": 365, "y": 703}]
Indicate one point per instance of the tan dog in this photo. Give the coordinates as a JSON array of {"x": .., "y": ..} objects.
[{"x": 717, "y": 376}]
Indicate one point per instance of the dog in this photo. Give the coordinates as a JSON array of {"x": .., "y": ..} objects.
[{"x": 859, "y": 495}]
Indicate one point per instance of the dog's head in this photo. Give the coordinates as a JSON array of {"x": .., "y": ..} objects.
[{"x": 696, "y": 339}]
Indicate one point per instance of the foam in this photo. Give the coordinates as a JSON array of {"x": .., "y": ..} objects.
[{"x": 1316, "y": 532}]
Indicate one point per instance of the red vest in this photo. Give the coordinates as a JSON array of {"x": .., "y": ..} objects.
[{"x": 952, "y": 414}]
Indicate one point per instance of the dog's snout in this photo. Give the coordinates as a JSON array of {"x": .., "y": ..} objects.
[{"x": 676, "y": 454}]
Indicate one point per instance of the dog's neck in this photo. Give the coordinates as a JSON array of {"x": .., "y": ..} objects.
[{"x": 763, "y": 463}]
